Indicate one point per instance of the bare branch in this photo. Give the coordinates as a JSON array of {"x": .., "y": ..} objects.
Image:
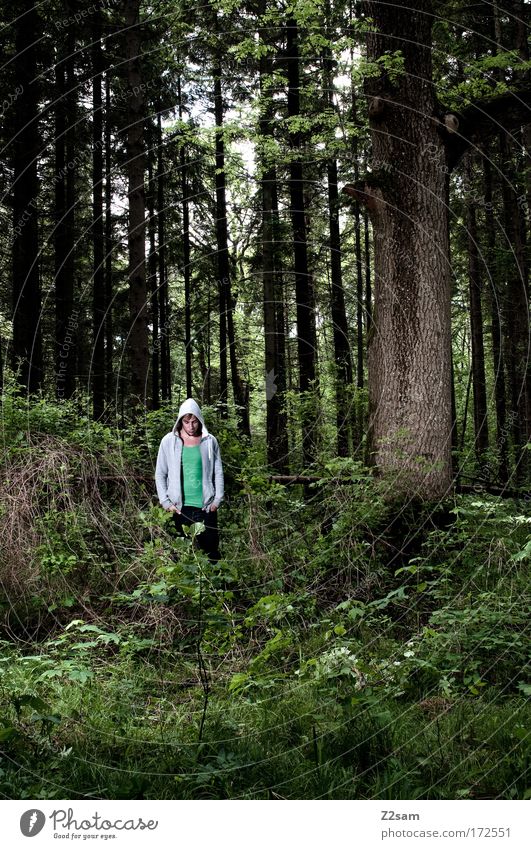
[{"x": 484, "y": 118}]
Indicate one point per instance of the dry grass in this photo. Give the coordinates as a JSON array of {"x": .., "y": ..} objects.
[{"x": 49, "y": 475}]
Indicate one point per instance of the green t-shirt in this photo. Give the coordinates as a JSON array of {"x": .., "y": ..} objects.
[{"x": 192, "y": 476}]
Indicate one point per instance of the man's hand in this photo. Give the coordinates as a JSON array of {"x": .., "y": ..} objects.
[
  {"x": 173, "y": 509},
  {"x": 213, "y": 508}
]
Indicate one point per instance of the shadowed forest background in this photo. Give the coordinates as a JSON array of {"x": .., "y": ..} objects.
[{"x": 314, "y": 218}]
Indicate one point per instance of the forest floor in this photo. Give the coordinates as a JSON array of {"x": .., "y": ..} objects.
[{"x": 345, "y": 647}]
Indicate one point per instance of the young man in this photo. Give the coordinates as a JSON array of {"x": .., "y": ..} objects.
[{"x": 189, "y": 476}]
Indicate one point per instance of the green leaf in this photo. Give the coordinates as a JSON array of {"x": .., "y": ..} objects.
[
  {"x": 8, "y": 733},
  {"x": 29, "y": 700},
  {"x": 523, "y": 554}
]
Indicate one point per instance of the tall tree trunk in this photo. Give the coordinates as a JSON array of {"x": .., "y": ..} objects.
[
  {"x": 516, "y": 324},
  {"x": 493, "y": 296},
  {"x": 63, "y": 378},
  {"x": 455, "y": 446},
  {"x": 409, "y": 350},
  {"x": 280, "y": 318},
  {"x": 522, "y": 45},
  {"x": 240, "y": 387},
  {"x": 222, "y": 246},
  {"x": 164, "y": 306},
  {"x": 274, "y": 340},
  {"x": 138, "y": 339},
  {"x": 306, "y": 332},
  {"x": 153, "y": 287},
  {"x": 66, "y": 315},
  {"x": 343, "y": 362},
  {"x": 98, "y": 274},
  {"x": 342, "y": 356},
  {"x": 481, "y": 442},
  {"x": 109, "y": 331},
  {"x": 240, "y": 391},
  {"x": 360, "y": 340},
  {"x": 186, "y": 257},
  {"x": 25, "y": 147},
  {"x": 515, "y": 304},
  {"x": 368, "y": 284}
]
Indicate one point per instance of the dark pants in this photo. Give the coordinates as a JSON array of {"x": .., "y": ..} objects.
[{"x": 207, "y": 540}]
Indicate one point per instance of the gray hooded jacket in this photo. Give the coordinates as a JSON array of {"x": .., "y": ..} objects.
[{"x": 168, "y": 470}]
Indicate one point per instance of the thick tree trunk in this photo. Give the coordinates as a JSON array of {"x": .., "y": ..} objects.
[
  {"x": 98, "y": 273},
  {"x": 409, "y": 350},
  {"x": 25, "y": 147},
  {"x": 306, "y": 332},
  {"x": 138, "y": 339}
]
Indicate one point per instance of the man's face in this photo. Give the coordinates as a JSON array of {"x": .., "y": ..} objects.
[{"x": 190, "y": 424}]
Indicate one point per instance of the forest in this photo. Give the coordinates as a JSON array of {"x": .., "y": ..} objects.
[{"x": 314, "y": 218}]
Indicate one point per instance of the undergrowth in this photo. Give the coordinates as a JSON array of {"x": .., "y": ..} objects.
[{"x": 346, "y": 646}]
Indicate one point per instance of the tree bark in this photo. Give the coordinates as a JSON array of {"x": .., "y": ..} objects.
[{"x": 409, "y": 349}]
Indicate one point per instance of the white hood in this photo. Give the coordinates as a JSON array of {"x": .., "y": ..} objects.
[{"x": 191, "y": 406}]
